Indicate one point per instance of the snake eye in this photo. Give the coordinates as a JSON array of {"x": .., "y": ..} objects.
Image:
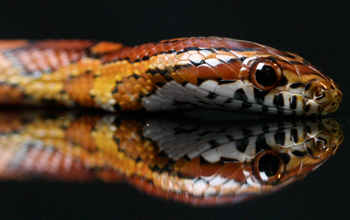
[
  {"x": 265, "y": 74},
  {"x": 268, "y": 167}
]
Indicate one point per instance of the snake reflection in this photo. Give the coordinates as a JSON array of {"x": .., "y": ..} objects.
[{"x": 196, "y": 162}]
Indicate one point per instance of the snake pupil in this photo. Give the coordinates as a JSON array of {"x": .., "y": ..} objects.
[
  {"x": 265, "y": 75},
  {"x": 269, "y": 164}
]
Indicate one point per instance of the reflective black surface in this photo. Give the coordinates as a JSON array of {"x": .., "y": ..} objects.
[
  {"x": 317, "y": 31},
  {"x": 184, "y": 159}
]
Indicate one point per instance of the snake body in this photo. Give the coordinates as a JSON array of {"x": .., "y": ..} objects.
[
  {"x": 182, "y": 73},
  {"x": 192, "y": 161}
]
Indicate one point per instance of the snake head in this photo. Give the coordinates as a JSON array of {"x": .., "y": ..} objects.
[
  {"x": 306, "y": 88},
  {"x": 288, "y": 83},
  {"x": 238, "y": 75}
]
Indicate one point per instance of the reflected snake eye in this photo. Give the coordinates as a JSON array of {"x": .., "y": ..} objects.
[
  {"x": 265, "y": 74},
  {"x": 268, "y": 167}
]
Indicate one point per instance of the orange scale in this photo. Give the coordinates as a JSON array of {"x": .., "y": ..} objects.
[
  {"x": 205, "y": 72},
  {"x": 163, "y": 59},
  {"x": 12, "y": 44},
  {"x": 226, "y": 72},
  {"x": 188, "y": 43},
  {"x": 201, "y": 43},
  {"x": 105, "y": 46},
  {"x": 179, "y": 47},
  {"x": 137, "y": 50},
  {"x": 137, "y": 89},
  {"x": 158, "y": 48},
  {"x": 236, "y": 66},
  {"x": 152, "y": 78},
  {"x": 177, "y": 78},
  {"x": 128, "y": 88},
  {"x": 121, "y": 88},
  {"x": 160, "y": 78},
  {"x": 179, "y": 163},
  {"x": 214, "y": 42},
  {"x": 233, "y": 171},
  {"x": 64, "y": 44},
  {"x": 142, "y": 82},
  {"x": 182, "y": 56},
  {"x": 210, "y": 170},
  {"x": 191, "y": 168},
  {"x": 188, "y": 73},
  {"x": 168, "y": 47},
  {"x": 232, "y": 44}
]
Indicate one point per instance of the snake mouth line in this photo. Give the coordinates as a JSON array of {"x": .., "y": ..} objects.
[{"x": 287, "y": 103}]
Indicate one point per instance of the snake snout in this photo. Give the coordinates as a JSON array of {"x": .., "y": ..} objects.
[{"x": 328, "y": 95}]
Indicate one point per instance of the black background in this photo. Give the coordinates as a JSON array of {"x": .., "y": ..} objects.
[{"x": 317, "y": 31}]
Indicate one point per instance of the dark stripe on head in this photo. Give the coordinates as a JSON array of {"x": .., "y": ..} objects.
[
  {"x": 213, "y": 143},
  {"x": 260, "y": 95},
  {"x": 293, "y": 102},
  {"x": 240, "y": 95},
  {"x": 294, "y": 134},
  {"x": 280, "y": 138},
  {"x": 222, "y": 49},
  {"x": 242, "y": 58},
  {"x": 177, "y": 67},
  {"x": 308, "y": 85},
  {"x": 226, "y": 81},
  {"x": 285, "y": 158},
  {"x": 241, "y": 145},
  {"x": 191, "y": 48},
  {"x": 307, "y": 108},
  {"x": 161, "y": 71},
  {"x": 228, "y": 160},
  {"x": 171, "y": 51},
  {"x": 278, "y": 100},
  {"x": 288, "y": 55},
  {"x": 321, "y": 96},
  {"x": 298, "y": 153},
  {"x": 261, "y": 143},
  {"x": 283, "y": 81},
  {"x": 296, "y": 85}
]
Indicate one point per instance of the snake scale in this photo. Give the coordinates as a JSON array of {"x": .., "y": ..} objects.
[
  {"x": 182, "y": 73},
  {"x": 188, "y": 160}
]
